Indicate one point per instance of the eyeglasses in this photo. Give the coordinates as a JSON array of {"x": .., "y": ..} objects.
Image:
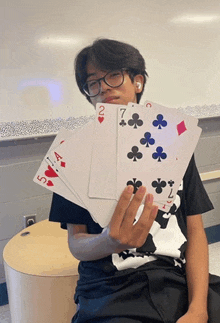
[{"x": 113, "y": 79}]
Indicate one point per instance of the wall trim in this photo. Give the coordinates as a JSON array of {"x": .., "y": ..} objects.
[
  {"x": 47, "y": 127},
  {"x": 39, "y": 128}
]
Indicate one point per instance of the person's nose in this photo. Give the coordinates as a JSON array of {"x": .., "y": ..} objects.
[{"x": 104, "y": 87}]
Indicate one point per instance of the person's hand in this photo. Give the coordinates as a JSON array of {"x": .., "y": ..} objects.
[
  {"x": 122, "y": 227},
  {"x": 193, "y": 317}
]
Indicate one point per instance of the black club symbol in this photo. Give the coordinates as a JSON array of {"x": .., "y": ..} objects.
[
  {"x": 159, "y": 154},
  {"x": 135, "y": 184},
  {"x": 134, "y": 154},
  {"x": 171, "y": 182},
  {"x": 135, "y": 121},
  {"x": 147, "y": 140},
  {"x": 122, "y": 123},
  {"x": 125, "y": 254},
  {"x": 159, "y": 122},
  {"x": 159, "y": 185}
]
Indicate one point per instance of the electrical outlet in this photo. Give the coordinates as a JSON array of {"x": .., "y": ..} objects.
[{"x": 29, "y": 220}]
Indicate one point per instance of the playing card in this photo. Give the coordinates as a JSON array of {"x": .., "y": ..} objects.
[
  {"x": 134, "y": 105},
  {"x": 152, "y": 141},
  {"x": 76, "y": 153},
  {"x": 163, "y": 207},
  {"x": 135, "y": 153},
  {"x": 63, "y": 136},
  {"x": 58, "y": 162},
  {"x": 165, "y": 124},
  {"x": 47, "y": 177},
  {"x": 103, "y": 164},
  {"x": 175, "y": 112},
  {"x": 166, "y": 205},
  {"x": 186, "y": 144}
]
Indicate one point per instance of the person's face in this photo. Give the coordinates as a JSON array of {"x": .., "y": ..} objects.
[{"x": 121, "y": 95}]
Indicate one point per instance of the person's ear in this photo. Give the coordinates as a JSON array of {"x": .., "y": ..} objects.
[{"x": 138, "y": 82}]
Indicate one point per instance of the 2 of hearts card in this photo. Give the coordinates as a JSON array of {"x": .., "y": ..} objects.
[{"x": 148, "y": 145}]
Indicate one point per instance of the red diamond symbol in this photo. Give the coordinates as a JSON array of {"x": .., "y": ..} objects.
[
  {"x": 181, "y": 128},
  {"x": 63, "y": 164}
]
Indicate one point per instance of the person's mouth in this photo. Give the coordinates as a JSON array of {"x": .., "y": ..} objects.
[{"x": 110, "y": 99}]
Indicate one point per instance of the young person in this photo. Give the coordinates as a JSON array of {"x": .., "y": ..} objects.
[{"x": 147, "y": 265}]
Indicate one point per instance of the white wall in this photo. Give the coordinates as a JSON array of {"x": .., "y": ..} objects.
[
  {"x": 40, "y": 39},
  {"x": 19, "y": 161}
]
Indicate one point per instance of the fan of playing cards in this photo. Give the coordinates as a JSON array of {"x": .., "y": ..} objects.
[{"x": 148, "y": 145}]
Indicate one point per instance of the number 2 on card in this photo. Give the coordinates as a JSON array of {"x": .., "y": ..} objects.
[{"x": 101, "y": 114}]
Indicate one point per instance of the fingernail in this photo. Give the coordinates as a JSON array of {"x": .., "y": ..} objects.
[{"x": 130, "y": 188}]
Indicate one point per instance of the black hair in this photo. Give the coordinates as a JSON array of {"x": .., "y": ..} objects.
[{"x": 107, "y": 54}]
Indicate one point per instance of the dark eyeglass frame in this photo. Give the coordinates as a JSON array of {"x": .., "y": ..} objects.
[{"x": 103, "y": 78}]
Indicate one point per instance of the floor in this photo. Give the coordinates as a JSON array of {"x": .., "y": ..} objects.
[{"x": 214, "y": 264}]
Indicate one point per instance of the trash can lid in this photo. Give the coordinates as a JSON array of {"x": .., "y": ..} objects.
[{"x": 41, "y": 249}]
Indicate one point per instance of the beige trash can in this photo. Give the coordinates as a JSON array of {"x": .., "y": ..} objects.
[{"x": 41, "y": 275}]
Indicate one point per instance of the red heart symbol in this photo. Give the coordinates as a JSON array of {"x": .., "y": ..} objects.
[
  {"x": 50, "y": 172},
  {"x": 49, "y": 183},
  {"x": 101, "y": 119}
]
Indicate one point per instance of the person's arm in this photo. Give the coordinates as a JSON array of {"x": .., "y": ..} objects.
[
  {"x": 87, "y": 247},
  {"x": 197, "y": 271},
  {"x": 121, "y": 233}
]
